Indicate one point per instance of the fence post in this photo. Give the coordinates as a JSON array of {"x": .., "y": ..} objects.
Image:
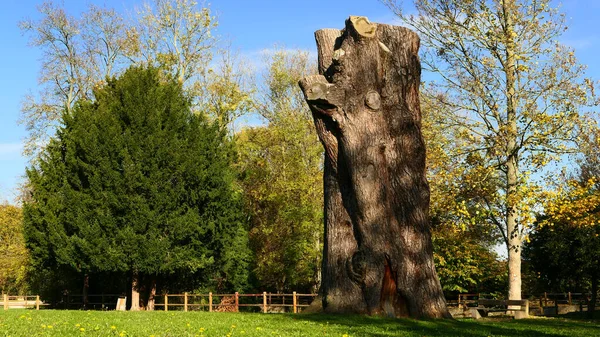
[
  {"x": 37, "y": 302},
  {"x": 459, "y": 300},
  {"x": 570, "y": 302},
  {"x": 166, "y": 303},
  {"x": 25, "y": 300},
  {"x": 237, "y": 302},
  {"x": 545, "y": 299},
  {"x": 264, "y": 302},
  {"x": 294, "y": 301},
  {"x": 5, "y": 301},
  {"x": 102, "y": 301},
  {"x": 210, "y": 302},
  {"x": 185, "y": 301}
]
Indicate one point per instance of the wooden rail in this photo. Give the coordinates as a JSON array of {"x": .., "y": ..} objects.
[
  {"x": 538, "y": 302},
  {"x": 21, "y": 301},
  {"x": 264, "y": 301}
]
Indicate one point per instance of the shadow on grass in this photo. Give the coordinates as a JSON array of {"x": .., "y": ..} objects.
[
  {"x": 379, "y": 326},
  {"x": 584, "y": 316}
]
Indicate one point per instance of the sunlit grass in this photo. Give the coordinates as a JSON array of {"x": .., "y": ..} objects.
[{"x": 81, "y": 323}]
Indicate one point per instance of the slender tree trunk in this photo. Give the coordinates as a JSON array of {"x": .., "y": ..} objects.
[
  {"x": 514, "y": 237},
  {"x": 86, "y": 288},
  {"x": 378, "y": 255},
  {"x": 135, "y": 294},
  {"x": 513, "y": 230},
  {"x": 592, "y": 303}
]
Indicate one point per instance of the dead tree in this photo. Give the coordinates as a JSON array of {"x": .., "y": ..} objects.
[{"x": 378, "y": 255}]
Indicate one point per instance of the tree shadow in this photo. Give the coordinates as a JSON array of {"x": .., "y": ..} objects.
[{"x": 380, "y": 326}]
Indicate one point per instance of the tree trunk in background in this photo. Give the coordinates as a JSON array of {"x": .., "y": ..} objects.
[
  {"x": 513, "y": 229},
  {"x": 151, "y": 294},
  {"x": 592, "y": 304},
  {"x": 135, "y": 293},
  {"x": 86, "y": 288},
  {"x": 378, "y": 255}
]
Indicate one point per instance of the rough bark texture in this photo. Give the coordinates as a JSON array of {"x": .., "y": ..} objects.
[
  {"x": 135, "y": 293},
  {"x": 151, "y": 295},
  {"x": 592, "y": 304},
  {"x": 378, "y": 253}
]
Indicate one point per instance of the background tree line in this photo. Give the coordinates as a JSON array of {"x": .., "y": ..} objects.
[{"x": 508, "y": 101}]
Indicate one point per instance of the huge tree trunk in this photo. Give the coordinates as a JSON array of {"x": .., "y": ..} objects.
[{"x": 378, "y": 253}]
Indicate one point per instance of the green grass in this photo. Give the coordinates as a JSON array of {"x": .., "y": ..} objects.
[{"x": 112, "y": 323}]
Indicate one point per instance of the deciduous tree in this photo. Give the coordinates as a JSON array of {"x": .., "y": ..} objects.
[
  {"x": 14, "y": 262},
  {"x": 281, "y": 168},
  {"x": 79, "y": 52}
]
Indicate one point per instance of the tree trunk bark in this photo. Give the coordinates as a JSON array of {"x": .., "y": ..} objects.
[
  {"x": 86, "y": 288},
  {"x": 378, "y": 255},
  {"x": 135, "y": 293},
  {"x": 151, "y": 294},
  {"x": 592, "y": 304},
  {"x": 513, "y": 229}
]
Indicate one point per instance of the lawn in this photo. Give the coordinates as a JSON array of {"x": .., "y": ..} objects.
[{"x": 112, "y": 323}]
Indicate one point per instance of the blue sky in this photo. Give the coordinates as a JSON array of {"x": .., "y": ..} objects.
[{"x": 250, "y": 25}]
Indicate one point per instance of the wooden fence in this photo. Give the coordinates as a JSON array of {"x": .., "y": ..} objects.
[
  {"x": 544, "y": 300},
  {"x": 264, "y": 302},
  {"x": 21, "y": 302}
]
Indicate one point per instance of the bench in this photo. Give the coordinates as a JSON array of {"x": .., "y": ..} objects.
[{"x": 519, "y": 307}]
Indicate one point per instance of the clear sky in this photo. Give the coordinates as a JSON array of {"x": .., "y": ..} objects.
[{"x": 250, "y": 25}]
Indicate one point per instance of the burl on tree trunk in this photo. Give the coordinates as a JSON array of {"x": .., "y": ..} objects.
[{"x": 378, "y": 255}]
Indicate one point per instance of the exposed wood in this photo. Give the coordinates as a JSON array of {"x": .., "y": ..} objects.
[
  {"x": 365, "y": 104},
  {"x": 295, "y": 303},
  {"x": 185, "y": 301}
]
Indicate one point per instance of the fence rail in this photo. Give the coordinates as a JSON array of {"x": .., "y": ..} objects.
[
  {"x": 264, "y": 302},
  {"x": 542, "y": 301},
  {"x": 233, "y": 302},
  {"x": 23, "y": 301}
]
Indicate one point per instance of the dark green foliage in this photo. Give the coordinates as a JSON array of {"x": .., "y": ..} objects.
[
  {"x": 465, "y": 265},
  {"x": 563, "y": 258},
  {"x": 134, "y": 181}
]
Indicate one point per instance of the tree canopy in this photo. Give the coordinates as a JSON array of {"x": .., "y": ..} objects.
[
  {"x": 135, "y": 182},
  {"x": 15, "y": 257}
]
